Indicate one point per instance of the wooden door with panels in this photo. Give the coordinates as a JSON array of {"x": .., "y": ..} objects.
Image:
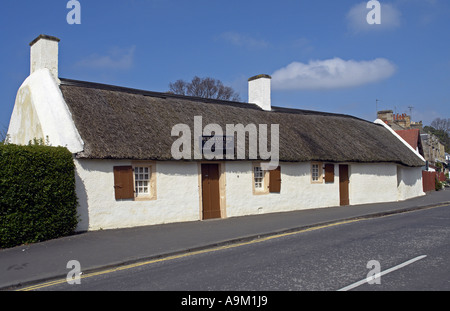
[
  {"x": 210, "y": 191},
  {"x": 275, "y": 180},
  {"x": 123, "y": 182},
  {"x": 343, "y": 185}
]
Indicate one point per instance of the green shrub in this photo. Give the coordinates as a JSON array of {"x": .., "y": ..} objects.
[
  {"x": 37, "y": 194},
  {"x": 438, "y": 185}
]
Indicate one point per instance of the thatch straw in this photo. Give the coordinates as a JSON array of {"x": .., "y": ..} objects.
[{"x": 120, "y": 123}]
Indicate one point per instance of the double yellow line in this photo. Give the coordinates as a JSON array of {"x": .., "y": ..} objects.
[{"x": 209, "y": 250}]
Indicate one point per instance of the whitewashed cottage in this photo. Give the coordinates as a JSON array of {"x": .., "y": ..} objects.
[{"x": 126, "y": 174}]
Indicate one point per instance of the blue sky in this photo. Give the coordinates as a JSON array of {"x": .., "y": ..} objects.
[{"x": 322, "y": 54}]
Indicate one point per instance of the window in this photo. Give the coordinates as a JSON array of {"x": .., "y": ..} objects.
[
  {"x": 260, "y": 180},
  {"x": 142, "y": 181},
  {"x": 266, "y": 181},
  {"x": 316, "y": 173},
  {"x": 137, "y": 182},
  {"x": 258, "y": 177}
]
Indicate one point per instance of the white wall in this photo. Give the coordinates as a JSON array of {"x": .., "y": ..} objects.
[
  {"x": 259, "y": 92},
  {"x": 384, "y": 182},
  {"x": 44, "y": 54},
  {"x": 372, "y": 183},
  {"x": 409, "y": 180},
  {"x": 177, "y": 196},
  {"x": 41, "y": 112},
  {"x": 178, "y": 191},
  {"x": 297, "y": 191}
]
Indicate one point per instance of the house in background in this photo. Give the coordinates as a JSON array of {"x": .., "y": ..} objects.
[
  {"x": 428, "y": 145},
  {"x": 398, "y": 121},
  {"x": 126, "y": 174},
  {"x": 412, "y": 137},
  {"x": 434, "y": 151}
]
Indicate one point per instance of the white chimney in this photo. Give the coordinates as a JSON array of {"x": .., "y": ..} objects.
[
  {"x": 44, "y": 54},
  {"x": 259, "y": 91}
]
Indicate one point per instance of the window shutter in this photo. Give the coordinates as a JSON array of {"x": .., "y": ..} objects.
[
  {"x": 275, "y": 180},
  {"x": 329, "y": 173},
  {"x": 123, "y": 182}
]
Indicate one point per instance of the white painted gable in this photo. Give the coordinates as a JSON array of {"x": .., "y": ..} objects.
[{"x": 41, "y": 112}]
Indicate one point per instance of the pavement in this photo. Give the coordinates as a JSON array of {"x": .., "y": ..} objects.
[{"x": 41, "y": 262}]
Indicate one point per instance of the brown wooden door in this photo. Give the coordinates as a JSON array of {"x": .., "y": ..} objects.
[
  {"x": 123, "y": 182},
  {"x": 275, "y": 180},
  {"x": 210, "y": 191},
  {"x": 343, "y": 185}
]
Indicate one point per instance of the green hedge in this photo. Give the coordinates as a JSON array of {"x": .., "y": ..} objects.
[{"x": 38, "y": 201}]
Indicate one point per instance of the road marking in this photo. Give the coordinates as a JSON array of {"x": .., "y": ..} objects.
[
  {"x": 209, "y": 250},
  {"x": 378, "y": 275}
]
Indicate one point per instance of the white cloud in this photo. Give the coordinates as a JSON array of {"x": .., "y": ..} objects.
[
  {"x": 116, "y": 58},
  {"x": 357, "y": 18},
  {"x": 243, "y": 40},
  {"x": 331, "y": 74}
]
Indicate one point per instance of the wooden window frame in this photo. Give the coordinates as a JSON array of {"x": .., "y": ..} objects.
[
  {"x": 152, "y": 181},
  {"x": 319, "y": 173},
  {"x": 258, "y": 177},
  {"x": 125, "y": 182},
  {"x": 265, "y": 181},
  {"x": 267, "y": 186},
  {"x": 142, "y": 175}
]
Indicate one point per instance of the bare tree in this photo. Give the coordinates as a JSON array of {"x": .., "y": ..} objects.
[
  {"x": 441, "y": 124},
  {"x": 178, "y": 87},
  {"x": 204, "y": 87}
]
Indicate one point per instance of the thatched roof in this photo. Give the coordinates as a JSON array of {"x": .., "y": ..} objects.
[{"x": 122, "y": 123}]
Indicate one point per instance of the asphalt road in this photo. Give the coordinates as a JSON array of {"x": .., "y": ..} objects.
[{"x": 322, "y": 259}]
